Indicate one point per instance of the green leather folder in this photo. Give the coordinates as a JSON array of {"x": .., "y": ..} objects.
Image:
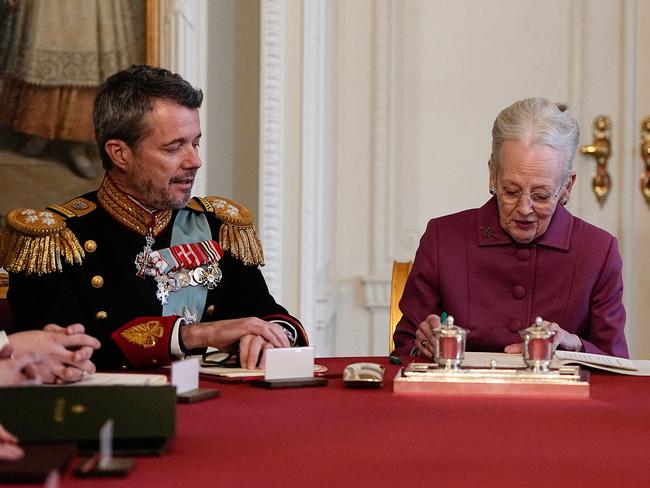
[{"x": 144, "y": 416}]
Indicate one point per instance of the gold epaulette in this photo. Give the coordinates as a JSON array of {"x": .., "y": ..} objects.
[
  {"x": 34, "y": 241},
  {"x": 237, "y": 234}
]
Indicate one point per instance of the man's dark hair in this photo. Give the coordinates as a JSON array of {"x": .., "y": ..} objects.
[{"x": 125, "y": 98}]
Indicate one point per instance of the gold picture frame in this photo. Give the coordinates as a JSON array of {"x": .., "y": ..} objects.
[{"x": 153, "y": 32}]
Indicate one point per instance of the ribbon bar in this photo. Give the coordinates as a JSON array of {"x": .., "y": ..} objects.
[{"x": 183, "y": 256}]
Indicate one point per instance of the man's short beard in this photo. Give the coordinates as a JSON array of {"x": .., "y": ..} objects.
[{"x": 158, "y": 200}]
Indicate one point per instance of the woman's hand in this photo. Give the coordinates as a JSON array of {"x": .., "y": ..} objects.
[
  {"x": 424, "y": 338},
  {"x": 562, "y": 340}
]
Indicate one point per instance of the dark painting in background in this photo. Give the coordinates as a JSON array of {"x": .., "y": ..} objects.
[{"x": 53, "y": 56}]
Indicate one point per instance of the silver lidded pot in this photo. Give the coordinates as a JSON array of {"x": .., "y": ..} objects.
[
  {"x": 449, "y": 344},
  {"x": 538, "y": 346}
]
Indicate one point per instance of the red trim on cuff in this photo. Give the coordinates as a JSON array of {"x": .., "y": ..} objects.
[{"x": 144, "y": 341}]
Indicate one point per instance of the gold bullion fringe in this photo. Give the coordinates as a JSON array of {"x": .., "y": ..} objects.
[
  {"x": 38, "y": 254},
  {"x": 242, "y": 242}
]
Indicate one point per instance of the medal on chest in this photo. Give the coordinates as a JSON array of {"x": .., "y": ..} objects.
[
  {"x": 142, "y": 259},
  {"x": 180, "y": 266}
]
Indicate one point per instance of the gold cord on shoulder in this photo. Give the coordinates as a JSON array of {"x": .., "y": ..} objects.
[{"x": 35, "y": 241}]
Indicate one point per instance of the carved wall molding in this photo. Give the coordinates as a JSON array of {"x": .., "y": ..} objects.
[
  {"x": 315, "y": 290},
  {"x": 386, "y": 42},
  {"x": 316, "y": 232},
  {"x": 272, "y": 123}
]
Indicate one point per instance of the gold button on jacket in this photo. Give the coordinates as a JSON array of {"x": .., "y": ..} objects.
[{"x": 90, "y": 246}]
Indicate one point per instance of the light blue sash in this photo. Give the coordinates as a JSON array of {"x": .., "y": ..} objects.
[{"x": 188, "y": 227}]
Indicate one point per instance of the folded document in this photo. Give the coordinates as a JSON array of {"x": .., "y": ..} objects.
[
  {"x": 613, "y": 364},
  {"x": 122, "y": 379}
]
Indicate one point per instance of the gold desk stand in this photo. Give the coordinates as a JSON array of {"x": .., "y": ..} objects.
[{"x": 566, "y": 382}]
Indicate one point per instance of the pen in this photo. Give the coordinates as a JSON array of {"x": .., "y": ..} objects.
[{"x": 87, "y": 465}]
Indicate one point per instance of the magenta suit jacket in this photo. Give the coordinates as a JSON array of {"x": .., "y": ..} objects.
[{"x": 469, "y": 267}]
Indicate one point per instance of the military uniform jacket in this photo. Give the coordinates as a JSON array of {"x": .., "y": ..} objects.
[
  {"x": 97, "y": 284},
  {"x": 469, "y": 267}
]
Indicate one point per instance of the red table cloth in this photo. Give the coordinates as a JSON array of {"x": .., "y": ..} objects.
[{"x": 338, "y": 436}]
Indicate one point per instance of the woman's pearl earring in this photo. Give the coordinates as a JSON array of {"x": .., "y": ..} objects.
[{"x": 493, "y": 191}]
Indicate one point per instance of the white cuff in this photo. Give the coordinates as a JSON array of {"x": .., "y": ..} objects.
[
  {"x": 175, "y": 343},
  {"x": 4, "y": 339},
  {"x": 289, "y": 330}
]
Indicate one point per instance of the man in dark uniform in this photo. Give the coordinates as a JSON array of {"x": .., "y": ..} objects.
[{"x": 153, "y": 274}]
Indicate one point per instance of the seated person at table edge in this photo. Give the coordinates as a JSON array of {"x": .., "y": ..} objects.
[
  {"x": 58, "y": 354},
  {"x": 522, "y": 254},
  {"x": 52, "y": 355},
  {"x": 151, "y": 273}
]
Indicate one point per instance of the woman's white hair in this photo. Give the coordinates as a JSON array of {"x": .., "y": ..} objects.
[{"x": 537, "y": 121}]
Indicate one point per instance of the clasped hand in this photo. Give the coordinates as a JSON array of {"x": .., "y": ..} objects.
[
  {"x": 53, "y": 355},
  {"x": 254, "y": 336},
  {"x": 18, "y": 370}
]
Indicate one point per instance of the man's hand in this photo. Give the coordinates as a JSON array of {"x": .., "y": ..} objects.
[
  {"x": 65, "y": 351},
  {"x": 250, "y": 348},
  {"x": 253, "y": 335},
  {"x": 562, "y": 340}
]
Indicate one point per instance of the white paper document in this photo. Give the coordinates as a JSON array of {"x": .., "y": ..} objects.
[
  {"x": 231, "y": 372},
  {"x": 121, "y": 379},
  {"x": 243, "y": 372},
  {"x": 634, "y": 367}
]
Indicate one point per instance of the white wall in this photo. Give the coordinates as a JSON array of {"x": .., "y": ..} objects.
[
  {"x": 215, "y": 45},
  {"x": 232, "y": 110}
]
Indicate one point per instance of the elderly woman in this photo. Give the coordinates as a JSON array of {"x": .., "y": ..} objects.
[{"x": 522, "y": 254}]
